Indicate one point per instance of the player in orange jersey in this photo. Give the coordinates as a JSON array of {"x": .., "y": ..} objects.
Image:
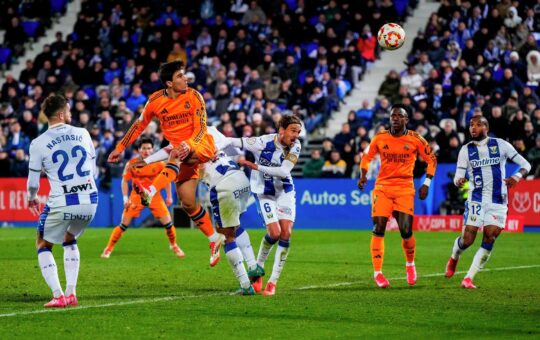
[
  {"x": 182, "y": 114},
  {"x": 132, "y": 203},
  {"x": 393, "y": 194}
]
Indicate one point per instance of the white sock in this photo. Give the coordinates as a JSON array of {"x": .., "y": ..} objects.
[
  {"x": 458, "y": 248},
  {"x": 72, "y": 259},
  {"x": 234, "y": 255},
  {"x": 244, "y": 243},
  {"x": 279, "y": 260},
  {"x": 214, "y": 237},
  {"x": 49, "y": 271},
  {"x": 480, "y": 259},
  {"x": 266, "y": 246},
  {"x": 409, "y": 264}
]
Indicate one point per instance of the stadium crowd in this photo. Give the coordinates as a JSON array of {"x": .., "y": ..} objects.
[
  {"x": 241, "y": 56},
  {"x": 477, "y": 58}
]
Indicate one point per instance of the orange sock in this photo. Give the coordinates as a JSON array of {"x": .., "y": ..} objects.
[
  {"x": 117, "y": 232},
  {"x": 377, "y": 252},
  {"x": 203, "y": 222},
  {"x": 409, "y": 248},
  {"x": 166, "y": 176},
  {"x": 170, "y": 230}
]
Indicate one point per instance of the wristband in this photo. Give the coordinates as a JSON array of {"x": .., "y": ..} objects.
[
  {"x": 427, "y": 182},
  {"x": 518, "y": 175},
  {"x": 125, "y": 198}
]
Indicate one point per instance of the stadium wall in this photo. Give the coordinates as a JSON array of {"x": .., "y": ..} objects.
[{"x": 321, "y": 203}]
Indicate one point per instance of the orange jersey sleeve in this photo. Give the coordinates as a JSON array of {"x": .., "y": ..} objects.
[
  {"x": 398, "y": 156},
  {"x": 425, "y": 150},
  {"x": 372, "y": 151},
  {"x": 140, "y": 124}
]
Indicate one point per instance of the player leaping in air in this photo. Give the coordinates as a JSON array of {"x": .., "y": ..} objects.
[
  {"x": 132, "y": 203},
  {"x": 229, "y": 194},
  {"x": 393, "y": 194},
  {"x": 271, "y": 183},
  {"x": 484, "y": 160},
  {"x": 182, "y": 114}
]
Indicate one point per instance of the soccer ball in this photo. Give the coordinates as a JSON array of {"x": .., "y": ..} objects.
[{"x": 391, "y": 36}]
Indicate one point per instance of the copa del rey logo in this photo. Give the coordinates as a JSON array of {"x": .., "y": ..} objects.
[{"x": 521, "y": 202}]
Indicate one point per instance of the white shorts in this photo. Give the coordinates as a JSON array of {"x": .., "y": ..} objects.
[
  {"x": 282, "y": 206},
  {"x": 55, "y": 222},
  {"x": 483, "y": 214},
  {"x": 229, "y": 199}
]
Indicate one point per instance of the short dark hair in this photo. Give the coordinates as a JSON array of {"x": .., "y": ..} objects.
[
  {"x": 287, "y": 120},
  {"x": 146, "y": 140},
  {"x": 167, "y": 70},
  {"x": 52, "y": 104},
  {"x": 400, "y": 106},
  {"x": 481, "y": 119}
]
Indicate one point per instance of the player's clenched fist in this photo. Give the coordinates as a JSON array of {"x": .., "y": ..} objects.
[
  {"x": 114, "y": 156},
  {"x": 362, "y": 182}
]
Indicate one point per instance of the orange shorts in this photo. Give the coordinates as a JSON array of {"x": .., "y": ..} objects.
[
  {"x": 384, "y": 202},
  {"x": 204, "y": 152},
  {"x": 188, "y": 172},
  {"x": 157, "y": 207}
]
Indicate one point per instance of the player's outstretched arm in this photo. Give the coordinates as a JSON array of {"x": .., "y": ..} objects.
[{"x": 133, "y": 133}]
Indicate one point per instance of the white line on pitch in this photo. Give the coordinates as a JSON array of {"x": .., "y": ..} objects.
[
  {"x": 339, "y": 284},
  {"x": 174, "y": 298}
]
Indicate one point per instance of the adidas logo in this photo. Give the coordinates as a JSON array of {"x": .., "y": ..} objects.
[
  {"x": 164, "y": 111},
  {"x": 385, "y": 147}
]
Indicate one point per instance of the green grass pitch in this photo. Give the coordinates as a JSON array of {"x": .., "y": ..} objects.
[{"x": 326, "y": 290}]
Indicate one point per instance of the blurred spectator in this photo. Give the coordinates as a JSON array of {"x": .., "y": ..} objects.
[
  {"x": 534, "y": 157},
  {"x": 19, "y": 166},
  {"x": 136, "y": 99},
  {"x": 16, "y": 139},
  {"x": 390, "y": 86},
  {"x": 313, "y": 167},
  {"x": 343, "y": 137},
  {"x": 335, "y": 167},
  {"x": 450, "y": 153}
]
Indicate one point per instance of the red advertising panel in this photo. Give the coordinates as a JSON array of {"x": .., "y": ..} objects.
[
  {"x": 524, "y": 200},
  {"x": 13, "y": 200},
  {"x": 514, "y": 223}
]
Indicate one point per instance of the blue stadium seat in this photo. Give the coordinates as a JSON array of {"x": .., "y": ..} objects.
[
  {"x": 401, "y": 7},
  {"x": 5, "y": 53},
  {"x": 210, "y": 21},
  {"x": 58, "y": 6},
  {"x": 302, "y": 77},
  {"x": 90, "y": 92},
  {"x": 30, "y": 27},
  {"x": 314, "y": 20},
  {"x": 293, "y": 4}
]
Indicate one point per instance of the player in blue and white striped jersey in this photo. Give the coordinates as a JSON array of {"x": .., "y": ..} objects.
[
  {"x": 484, "y": 160},
  {"x": 67, "y": 155},
  {"x": 272, "y": 185}
]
